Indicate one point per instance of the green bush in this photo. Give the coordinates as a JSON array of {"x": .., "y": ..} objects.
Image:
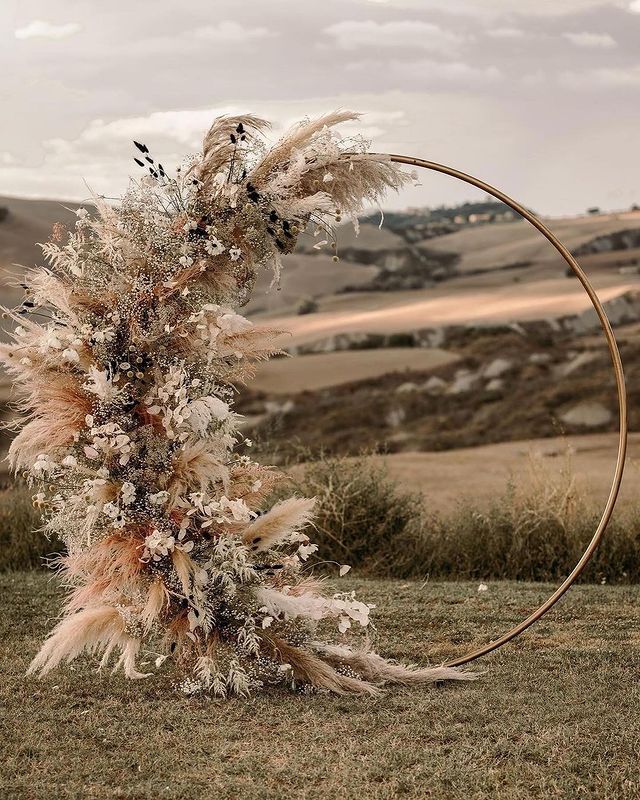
[
  {"x": 401, "y": 340},
  {"x": 22, "y": 543},
  {"x": 534, "y": 532},
  {"x": 360, "y": 511},
  {"x": 308, "y": 305}
]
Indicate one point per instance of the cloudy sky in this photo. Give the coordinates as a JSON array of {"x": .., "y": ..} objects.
[{"x": 541, "y": 97}]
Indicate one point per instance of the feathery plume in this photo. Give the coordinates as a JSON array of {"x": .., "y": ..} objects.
[{"x": 283, "y": 519}]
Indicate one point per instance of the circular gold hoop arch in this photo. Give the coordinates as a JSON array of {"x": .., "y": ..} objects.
[{"x": 620, "y": 386}]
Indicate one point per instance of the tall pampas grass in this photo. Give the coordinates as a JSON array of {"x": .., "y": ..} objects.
[
  {"x": 380, "y": 671},
  {"x": 62, "y": 409},
  {"x": 309, "y": 668},
  {"x": 299, "y": 136},
  {"x": 99, "y": 630},
  {"x": 197, "y": 467},
  {"x": 220, "y": 143}
]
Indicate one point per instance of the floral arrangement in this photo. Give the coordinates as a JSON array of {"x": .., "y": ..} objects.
[{"x": 126, "y": 354}]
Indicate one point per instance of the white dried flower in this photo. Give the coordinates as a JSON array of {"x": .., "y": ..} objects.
[
  {"x": 127, "y": 493},
  {"x": 214, "y": 247},
  {"x": 71, "y": 355},
  {"x": 159, "y": 498},
  {"x": 305, "y": 550},
  {"x": 157, "y": 545}
]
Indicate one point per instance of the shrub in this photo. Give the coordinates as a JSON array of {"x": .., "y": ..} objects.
[
  {"x": 401, "y": 340},
  {"x": 534, "y": 531},
  {"x": 22, "y": 543},
  {"x": 361, "y": 512},
  {"x": 308, "y": 306}
]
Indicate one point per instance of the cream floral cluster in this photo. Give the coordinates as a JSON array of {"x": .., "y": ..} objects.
[{"x": 126, "y": 353}]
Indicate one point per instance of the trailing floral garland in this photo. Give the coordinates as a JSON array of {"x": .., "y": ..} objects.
[{"x": 126, "y": 354}]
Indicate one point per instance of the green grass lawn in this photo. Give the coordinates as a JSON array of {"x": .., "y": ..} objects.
[{"x": 556, "y": 714}]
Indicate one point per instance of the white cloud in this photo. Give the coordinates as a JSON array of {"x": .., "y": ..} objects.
[
  {"x": 502, "y": 8},
  {"x": 230, "y": 32},
  {"x": 602, "y": 78},
  {"x": 101, "y": 155},
  {"x": 454, "y": 71},
  {"x": 483, "y": 135},
  {"x": 352, "y": 34},
  {"x": 535, "y": 78},
  {"x": 374, "y": 124},
  {"x": 177, "y": 128},
  {"x": 183, "y": 130},
  {"x": 445, "y": 74},
  {"x": 506, "y": 33},
  {"x": 39, "y": 29},
  {"x": 634, "y": 6},
  {"x": 596, "y": 40}
]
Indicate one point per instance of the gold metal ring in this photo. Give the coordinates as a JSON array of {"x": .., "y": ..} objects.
[{"x": 620, "y": 386}]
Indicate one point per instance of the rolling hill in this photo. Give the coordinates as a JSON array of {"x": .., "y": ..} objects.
[
  {"x": 502, "y": 244},
  {"x": 23, "y": 223}
]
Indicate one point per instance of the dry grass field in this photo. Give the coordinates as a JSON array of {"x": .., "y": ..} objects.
[
  {"x": 480, "y": 475},
  {"x": 498, "y": 245},
  {"x": 553, "y": 715},
  {"x": 448, "y": 478},
  {"x": 451, "y": 303},
  {"x": 323, "y": 370}
]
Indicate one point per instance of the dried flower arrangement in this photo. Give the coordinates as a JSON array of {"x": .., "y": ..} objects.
[{"x": 130, "y": 438}]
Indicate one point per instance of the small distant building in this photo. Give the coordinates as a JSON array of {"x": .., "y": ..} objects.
[{"x": 474, "y": 219}]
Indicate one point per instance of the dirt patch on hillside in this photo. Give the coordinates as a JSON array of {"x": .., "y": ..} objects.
[{"x": 504, "y": 387}]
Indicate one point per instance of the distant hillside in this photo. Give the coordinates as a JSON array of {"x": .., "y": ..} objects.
[
  {"x": 500, "y": 245},
  {"x": 408, "y": 290},
  {"x": 413, "y": 251},
  {"x": 23, "y": 223},
  {"x": 417, "y": 224},
  {"x": 306, "y": 276}
]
